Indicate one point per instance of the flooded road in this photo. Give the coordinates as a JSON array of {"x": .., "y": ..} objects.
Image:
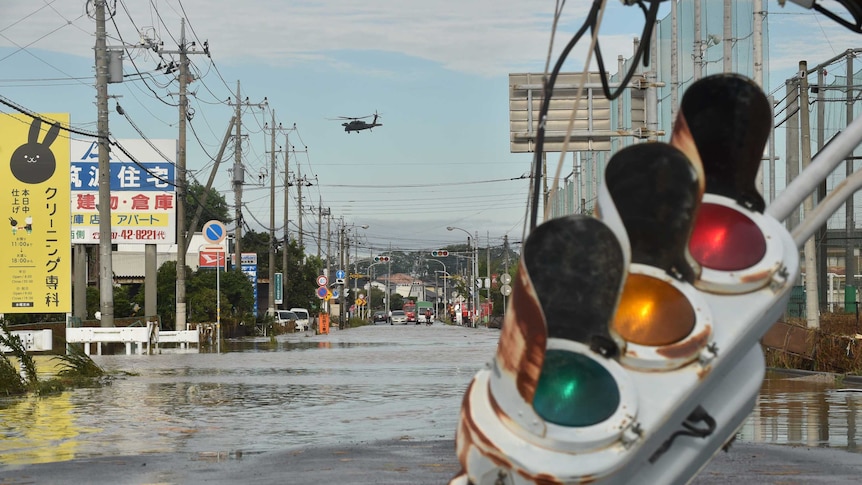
[{"x": 350, "y": 387}]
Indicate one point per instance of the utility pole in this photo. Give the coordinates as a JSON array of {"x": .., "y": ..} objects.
[
  {"x": 506, "y": 252},
  {"x": 319, "y": 224},
  {"x": 182, "y": 237},
  {"x": 488, "y": 268},
  {"x": 727, "y": 37},
  {"x": 340, "y": 266},
  {"x": 388, "y": 279},
  {"x": 328, "y": 215},
  {"x": 271, "y": 309},
  {"x": 106, "y": 270},
  {"x": 239, "y": 173},
  {"x": 286, "y": 243},
  {"x": 299, "y": 183},
  {"x": 812, "y": 310},
  {"x": 238, "y": 178},
  {"x": 699, "y": 45},
  {"x": 476, "y": 292}
]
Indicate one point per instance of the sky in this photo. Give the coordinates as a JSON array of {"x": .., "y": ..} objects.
[{"x": 436, "y": 72}]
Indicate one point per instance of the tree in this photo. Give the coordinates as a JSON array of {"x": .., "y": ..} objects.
[
  {"x": 375, "y": 301},
  {"x": 258, "y": 243},
  {"x": 215, "y": 206},
  {"x": 396, "y": 301}
]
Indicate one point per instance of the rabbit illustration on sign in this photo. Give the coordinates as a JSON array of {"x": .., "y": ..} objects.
[{"x": 33, "y": 162}]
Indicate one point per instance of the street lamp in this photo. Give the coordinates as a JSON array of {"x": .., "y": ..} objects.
[
  {"x": 344, "y": 262},
  {"x": 356, "y": 266},
  {"x": 446, "y": 276},
  {"x": 474, "y": 269},
  {"x": 435, "y": 284}
]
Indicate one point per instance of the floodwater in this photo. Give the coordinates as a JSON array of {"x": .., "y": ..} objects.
[{"x": 350, "y": 387}]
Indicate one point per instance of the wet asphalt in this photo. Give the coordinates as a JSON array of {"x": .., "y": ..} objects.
[{"x": 405, "y": 462}]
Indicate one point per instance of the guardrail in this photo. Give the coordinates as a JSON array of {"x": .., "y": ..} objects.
[
  {"x": 140, "y": 337},
  {"x": 184, "y": 338}
]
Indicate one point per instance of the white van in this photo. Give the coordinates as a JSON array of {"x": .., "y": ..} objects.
[
  {"x": 302, "y": 319},
  {"x": 284, "y": 317}
]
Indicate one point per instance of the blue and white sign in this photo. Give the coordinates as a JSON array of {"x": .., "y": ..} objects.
[
  {"x": 340, "y": 274},
  {"x": 142, "y": 192},
  {"x": 214, "y": 232}
]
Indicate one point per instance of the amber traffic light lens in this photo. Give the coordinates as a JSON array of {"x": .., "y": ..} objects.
[{"x": 653, "y": 312}]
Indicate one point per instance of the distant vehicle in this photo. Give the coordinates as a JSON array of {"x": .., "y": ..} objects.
[
  {"x": 410, "y": 310},
  {"x": 422, "y": 308},
  {"x": 357, "y": 123},
  {"x": 302, "y": 319},
  {"x": 285, "y": 318},
  {"x": 379, "y": 317},
  {"x": 398, "y": 316}
]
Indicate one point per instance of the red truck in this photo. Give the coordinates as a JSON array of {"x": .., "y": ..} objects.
[{"x": 410, "y": 310}]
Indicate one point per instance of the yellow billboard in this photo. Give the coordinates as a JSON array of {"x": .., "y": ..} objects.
[{"x": 35, "y": 247}]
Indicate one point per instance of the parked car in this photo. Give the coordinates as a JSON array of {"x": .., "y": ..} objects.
[
  {"x": 379, "y": 317},
  {"x": 286, "y": 318},
  {"x": 302, "y": 319},
  {"x": 398, "y": 316}
]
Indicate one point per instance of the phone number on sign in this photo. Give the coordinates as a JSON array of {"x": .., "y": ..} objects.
[{"x": 136, "y": 235}]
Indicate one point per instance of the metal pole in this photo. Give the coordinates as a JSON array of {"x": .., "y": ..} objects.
[
  {"x": 476, "y": 293},
  {"x": 218, "y": 298},
  {"x": 849, "y": 210}
]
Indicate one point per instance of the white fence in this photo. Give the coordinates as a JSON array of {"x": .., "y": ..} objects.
[
  {"x": 139, "y": 339},
  {"x": 33, "y": 340}
]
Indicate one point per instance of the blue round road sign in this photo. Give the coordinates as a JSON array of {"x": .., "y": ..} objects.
[
  {"x": 214, "y": 232},
  {"x": 340, "y": 274}
]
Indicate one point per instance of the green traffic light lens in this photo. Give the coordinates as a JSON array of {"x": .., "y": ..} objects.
[{"x": 575, "y": 390}]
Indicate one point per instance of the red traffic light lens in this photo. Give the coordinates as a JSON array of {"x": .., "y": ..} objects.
[{"x": 725, "y": 239}]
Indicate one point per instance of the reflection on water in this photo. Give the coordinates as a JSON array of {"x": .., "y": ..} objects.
[
  {"x": 257, "y": 395},
  {"x": 810, "y": 411},
  {"x": 356, "y": 386},
  {"x": 38, "y": 430}
]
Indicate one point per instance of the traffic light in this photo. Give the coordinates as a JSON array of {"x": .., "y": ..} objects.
[
  {"x": 630, "y": 351},
  {"x": 440, "y": 253},
  {"x": 381, "y": 259}
]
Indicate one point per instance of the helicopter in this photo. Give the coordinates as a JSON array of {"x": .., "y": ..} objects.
[{"x": 357, "y": 123}]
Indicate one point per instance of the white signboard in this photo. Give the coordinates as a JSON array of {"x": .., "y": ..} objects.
[{"x": 143, "y": 195}]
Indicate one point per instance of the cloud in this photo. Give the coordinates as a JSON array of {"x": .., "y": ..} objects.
[{"x": 482, "y": 37}]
